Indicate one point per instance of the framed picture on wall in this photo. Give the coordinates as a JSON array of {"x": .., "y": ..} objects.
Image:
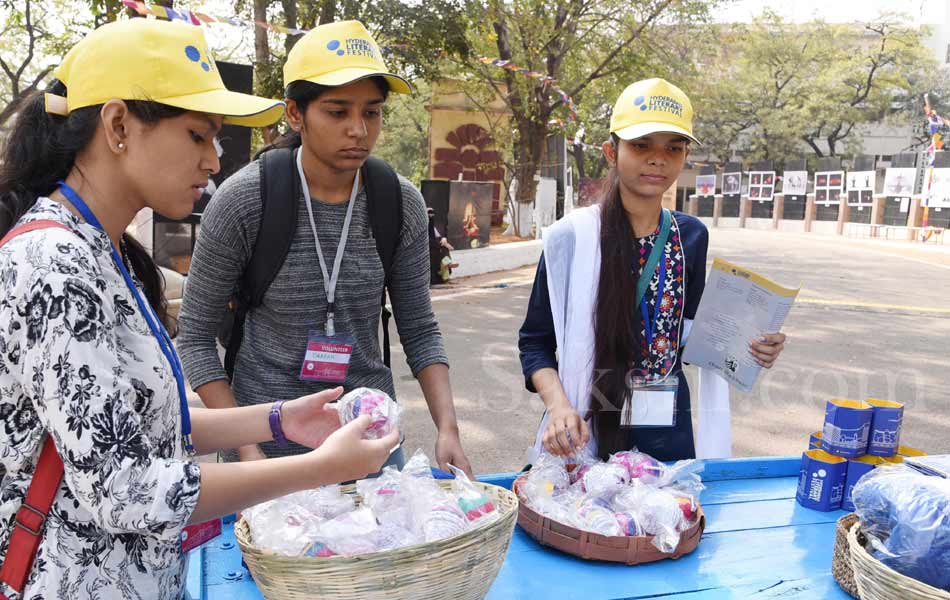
[{"x": 828, "y": 187}]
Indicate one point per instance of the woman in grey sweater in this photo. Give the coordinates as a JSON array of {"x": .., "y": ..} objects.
[{"x": 334, "y": 109}]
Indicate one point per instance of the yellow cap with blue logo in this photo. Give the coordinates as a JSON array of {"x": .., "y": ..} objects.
[
  {"x": 164, "y": 62},
  {"x": 337, "y": 54},
  {"x": 652, "y": 106}
]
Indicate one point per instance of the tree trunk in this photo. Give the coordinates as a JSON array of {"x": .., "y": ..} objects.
[
  {"x": 261, "y": 49},
  {"x": 577, "y": 151},
  {"x": 327, "y": 12},
  {"x": 529, "y": 150},
  {"x": 290, "y": 20}
]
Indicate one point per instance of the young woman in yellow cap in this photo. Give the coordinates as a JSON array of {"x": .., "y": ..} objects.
[
  {"x": 96, "y": 437},
  {"x": 615, "y": 292},
  {"x": 328, "y": 288}
]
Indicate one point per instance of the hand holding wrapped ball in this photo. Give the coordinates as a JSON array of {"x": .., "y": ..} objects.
[{"x": 383, "y": 411}]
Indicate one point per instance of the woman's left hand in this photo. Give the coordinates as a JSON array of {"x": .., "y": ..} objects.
[
  {"x": 308, "y": 420},
  {"x": 767, "y": 348}
]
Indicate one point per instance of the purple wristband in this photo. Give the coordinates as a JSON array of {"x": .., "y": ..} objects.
[{"x": 275, "y": 426}]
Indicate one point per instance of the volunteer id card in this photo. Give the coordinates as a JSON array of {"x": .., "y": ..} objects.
[{"x": 327, "y": 358}]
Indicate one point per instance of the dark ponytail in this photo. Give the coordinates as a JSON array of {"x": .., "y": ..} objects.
[
  {"x": 41, "y": 150},
  {"x": 303, "y": 93},
  {"x": 616, "y": 335}
]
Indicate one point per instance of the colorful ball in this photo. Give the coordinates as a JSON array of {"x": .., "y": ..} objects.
[
  {"x": 383, "y": 411},
  {"x": 604, "y": 478},
  {"x": 443, "y": 522},
  {"x": 688, "y": 507},
  {"x": 598, "y": 520},
  {"x": 628, "y": 524},
  {"x": 640, "y": 467}
]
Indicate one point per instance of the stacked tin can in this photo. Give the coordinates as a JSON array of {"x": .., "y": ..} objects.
[{"x": 857, "y": 437}]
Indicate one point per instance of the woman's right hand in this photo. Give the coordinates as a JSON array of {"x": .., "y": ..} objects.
[
  {"x": 566, "y": 432},
  {"x": 346, "y": 456}
]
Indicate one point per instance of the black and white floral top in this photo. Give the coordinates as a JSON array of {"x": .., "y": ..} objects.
[{"x": 78, "y": 360}]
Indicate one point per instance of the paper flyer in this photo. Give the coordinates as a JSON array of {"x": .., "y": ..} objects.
[{"x": 737, "y": 306}]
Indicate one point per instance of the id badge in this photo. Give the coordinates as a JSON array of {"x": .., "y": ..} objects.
[
  {"x": 651, "y": 405},
  {"x": 327, "y": 358},
  {"x": 199, "y": 534}
]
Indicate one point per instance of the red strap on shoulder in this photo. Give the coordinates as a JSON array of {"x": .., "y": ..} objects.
[
  {"x": 32, "y": 226},
  {"x": 31, "y": 517}
]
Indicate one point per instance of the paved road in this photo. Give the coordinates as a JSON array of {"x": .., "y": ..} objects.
[{"x": 873, "y": 319}]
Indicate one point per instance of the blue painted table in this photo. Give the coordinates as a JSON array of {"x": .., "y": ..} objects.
[{"x": 759, "y": 543}]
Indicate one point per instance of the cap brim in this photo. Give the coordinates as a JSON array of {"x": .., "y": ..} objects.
[
  {"x": 643, "y": 129},
  {"x": 345, "y": 76},
  {"x": 236, "y": 108}
]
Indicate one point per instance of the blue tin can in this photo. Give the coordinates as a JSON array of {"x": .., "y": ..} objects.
[
  {"x": 847, "y": 428},
  {"x": 821, "y": 480},
  {"x": 886, "y": 421},
  {"x": 857, "y": 468},
  {"x": 814, "y": 442}
]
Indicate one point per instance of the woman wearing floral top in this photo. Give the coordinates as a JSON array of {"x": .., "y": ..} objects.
[{"x": 84, "y": 357}]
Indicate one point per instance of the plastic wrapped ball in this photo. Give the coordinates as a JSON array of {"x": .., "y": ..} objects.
[
  {"x": 383, "y": 411},
  {"x": 443, "y": 522},
  {"x": 628, "y": 524},
  {"x": 688, "y": 507},
  {"x": 660, "y": 512},
  {"x": 639, "y": 466},
  {"x": 598, "y": 520},
  {"x": 604, "y": 478}
]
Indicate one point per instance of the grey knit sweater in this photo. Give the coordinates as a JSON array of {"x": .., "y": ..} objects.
[{"x": 275, "y": 337}]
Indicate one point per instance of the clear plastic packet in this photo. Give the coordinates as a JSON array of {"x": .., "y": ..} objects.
[
  {"x": 598, "y": 519},
  {"x": 349, "y": 534},
  {"x": 604, "y": 478},
  {"x": 384, "y": 495},
  {"x": 578, "y": 464},
  {"x": 640, "y": 467},
  {"x": 383, "y": 410},
  {"x": 629, "y": 526},
  {"x": 477, "y": 507},
  {"x": 658, "y": 513},
  {"x": 547, "y": 477},
  {"x": 418, "y": 466},
  {"x": 442, "y": 521},
  {"x": 392, "y": 537},
  {"x": 906, "y": 516},
  {"x": 288, "y": 525},
  {"x": 683, "y": 477}
]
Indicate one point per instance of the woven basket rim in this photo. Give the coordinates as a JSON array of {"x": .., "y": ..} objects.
[
  {"x": 859, "y": 552},
  {"x": 243, "y": 535}
]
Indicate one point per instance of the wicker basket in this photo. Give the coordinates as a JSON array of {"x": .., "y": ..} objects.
[
  {"x": 841, "y": 559},
  {"x": 461, "y": 567},
  {"x": 877, "y": 581},
  {"x": 630, "y": 550}
]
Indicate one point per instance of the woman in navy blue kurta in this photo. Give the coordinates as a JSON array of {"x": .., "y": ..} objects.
[
  {"x": 538, "y": 346},
  {"x": 615, "y": 294}
]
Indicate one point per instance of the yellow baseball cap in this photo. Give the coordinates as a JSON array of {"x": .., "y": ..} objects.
[
  {"x": 337, "y": 54},
  {"x": 165, "y": 62},
  {"x": 652, "y": 106}
]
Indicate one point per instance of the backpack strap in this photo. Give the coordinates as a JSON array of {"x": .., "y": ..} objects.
[
  {"x": 280, "y": 189},
  {"x": 30, "y": 519},
  {"x": 384, "y": 194}
]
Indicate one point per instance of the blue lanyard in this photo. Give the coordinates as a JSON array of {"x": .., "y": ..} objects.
[
  {"x": 158, "y": 330},
  {"x": 649, "y": 327}
]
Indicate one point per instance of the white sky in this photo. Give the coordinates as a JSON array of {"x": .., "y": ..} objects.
[{"x": 920, "y": 11}]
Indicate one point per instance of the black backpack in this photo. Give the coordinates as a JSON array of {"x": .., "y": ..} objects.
[{"x": 280, "y": 186}]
